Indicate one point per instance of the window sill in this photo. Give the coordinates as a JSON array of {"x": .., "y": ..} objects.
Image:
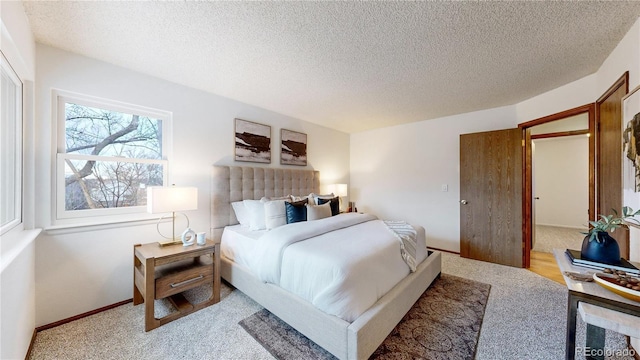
[
  {"x": 94, "y": 226},
  {"x": 21, "y": 239}
]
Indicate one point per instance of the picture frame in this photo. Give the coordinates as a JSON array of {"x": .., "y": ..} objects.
[
  {"x": 252, "y": 142},
  {"x": 293, "y": 148},
  {"x": 631, "y": 140}
]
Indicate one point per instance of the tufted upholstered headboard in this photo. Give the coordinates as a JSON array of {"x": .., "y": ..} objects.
[{"x": 235, "y": 183}]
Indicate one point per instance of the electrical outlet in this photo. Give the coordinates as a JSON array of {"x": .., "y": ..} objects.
[{"x": 445, "y": 187}]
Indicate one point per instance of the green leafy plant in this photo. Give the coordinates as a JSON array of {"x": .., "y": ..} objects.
[{"x": 611, "y": 222}]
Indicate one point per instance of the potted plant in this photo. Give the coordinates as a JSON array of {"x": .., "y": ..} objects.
[{"x": 598, "y": 245}]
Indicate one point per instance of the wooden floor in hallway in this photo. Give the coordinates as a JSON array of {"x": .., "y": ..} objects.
[{"x": 544, "y": 264}]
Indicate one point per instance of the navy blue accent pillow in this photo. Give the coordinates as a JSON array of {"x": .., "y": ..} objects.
[
  {"x": 296, "y": 211},
  {"x": 335, "y": 205}
]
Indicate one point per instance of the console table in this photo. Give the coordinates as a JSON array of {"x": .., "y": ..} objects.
[{"x": 589, "y": 293}]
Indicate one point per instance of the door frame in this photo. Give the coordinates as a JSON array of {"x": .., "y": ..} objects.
[
  {"x": 621, "y": 82},
  {"x": 527, "y": 175}
]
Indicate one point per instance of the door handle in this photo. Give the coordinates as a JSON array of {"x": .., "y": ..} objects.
[
  {"x": 464, "y": 202},
  {"x": 537, "y": 198}
]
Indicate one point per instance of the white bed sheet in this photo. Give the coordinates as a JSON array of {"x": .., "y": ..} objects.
[
  {"x": 238, "y": 241},
  {"x": 347, "y": 282},
  {"x": 322, "y": 269}
]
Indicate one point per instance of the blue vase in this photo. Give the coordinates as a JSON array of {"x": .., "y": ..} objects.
[{"x": 604, "y": 251}]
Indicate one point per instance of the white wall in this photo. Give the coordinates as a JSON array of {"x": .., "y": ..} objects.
[
  {"x": 398, "y": 172},
  {"x": 17, "y": 250},
  {"x": 561, "y": 181},
  {"x": 578, "y": 93},
  {"x": 625, "y": 57},
  {"x": 84, "y": 269},
  {"x": 17, "y": 299}
]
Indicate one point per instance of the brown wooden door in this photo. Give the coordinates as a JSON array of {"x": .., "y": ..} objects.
[
  {"x": 609, "y": 174},
  {"x": 491, "y": 197}
]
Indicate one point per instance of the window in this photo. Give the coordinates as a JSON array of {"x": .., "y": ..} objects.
[
  {"x": 108, "y": 153},
  {"x": 11, "y": 148}
]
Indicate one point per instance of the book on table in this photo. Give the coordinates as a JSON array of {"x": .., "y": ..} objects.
[{"x": 623, "y": 265}]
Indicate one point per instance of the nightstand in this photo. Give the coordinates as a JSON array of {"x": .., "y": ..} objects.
[{"x": 165, "y": 272}]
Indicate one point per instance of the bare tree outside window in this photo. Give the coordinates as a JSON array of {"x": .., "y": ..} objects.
[{"x": 126, "y": 141}]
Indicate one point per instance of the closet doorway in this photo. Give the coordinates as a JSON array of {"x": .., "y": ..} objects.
[{"x": 560, "y": 183}]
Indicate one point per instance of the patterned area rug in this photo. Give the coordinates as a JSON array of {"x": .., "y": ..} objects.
[{"x": 443, "y": 324}]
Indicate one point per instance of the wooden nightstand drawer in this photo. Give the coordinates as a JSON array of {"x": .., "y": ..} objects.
[{"x": 183, "y": 275}]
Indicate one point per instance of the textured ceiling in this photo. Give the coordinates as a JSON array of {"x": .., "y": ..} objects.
[{"x": 350, "y": 66}]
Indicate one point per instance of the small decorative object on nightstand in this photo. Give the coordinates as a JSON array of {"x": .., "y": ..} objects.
[
  {"x": 202, "y": 238},
  {"x": 188, "y": 237},
  {"x": 165, "y": 272}
]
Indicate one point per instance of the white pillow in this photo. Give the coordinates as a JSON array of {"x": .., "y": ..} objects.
[
  {"x": 313, "y": 198},
  {"x": 256, "y": 214},
  {"x": 242, "y": 214},
  {"x": 317, "y": 212},
  {"x": 275, "y": 214}
]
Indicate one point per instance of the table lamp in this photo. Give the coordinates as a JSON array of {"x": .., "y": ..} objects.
[
  {"x": 171, "y": 199},
  {"x": 339, "y": 190}
]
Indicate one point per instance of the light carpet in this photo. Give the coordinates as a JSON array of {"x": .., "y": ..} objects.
[
  {"x": 525, "y": 318},
  {"x": 556, "y": 237}
]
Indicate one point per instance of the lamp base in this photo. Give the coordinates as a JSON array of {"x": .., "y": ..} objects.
[{"x": 169, "y": 242}]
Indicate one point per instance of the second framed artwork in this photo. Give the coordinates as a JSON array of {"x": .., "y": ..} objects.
[{"x": 293, "y": 150}]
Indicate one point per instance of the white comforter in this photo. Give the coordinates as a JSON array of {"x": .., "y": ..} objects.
[{"x": 342, "y": 264}]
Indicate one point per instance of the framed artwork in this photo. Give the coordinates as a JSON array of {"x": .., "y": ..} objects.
[
  {"x": 631, "y": 139},
  {"x": 293, "y": 149},
  {"x": 253, "y": 142}
]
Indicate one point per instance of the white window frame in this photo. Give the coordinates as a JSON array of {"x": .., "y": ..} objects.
[
  {"x": 105, "y": 215},
  {"x": 17, "y": 208}
]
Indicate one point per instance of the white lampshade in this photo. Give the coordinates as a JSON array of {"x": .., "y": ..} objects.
[
  {"x": 338, "y": 189},
  {"x": 161, "y": 199}
]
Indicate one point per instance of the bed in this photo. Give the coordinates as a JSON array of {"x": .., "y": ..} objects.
[{"x": 357, "y": 338}]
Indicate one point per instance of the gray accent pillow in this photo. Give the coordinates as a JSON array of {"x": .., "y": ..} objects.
[
  {"x": 317, "y": 212},
  {"x": 335, "y": 204}
]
